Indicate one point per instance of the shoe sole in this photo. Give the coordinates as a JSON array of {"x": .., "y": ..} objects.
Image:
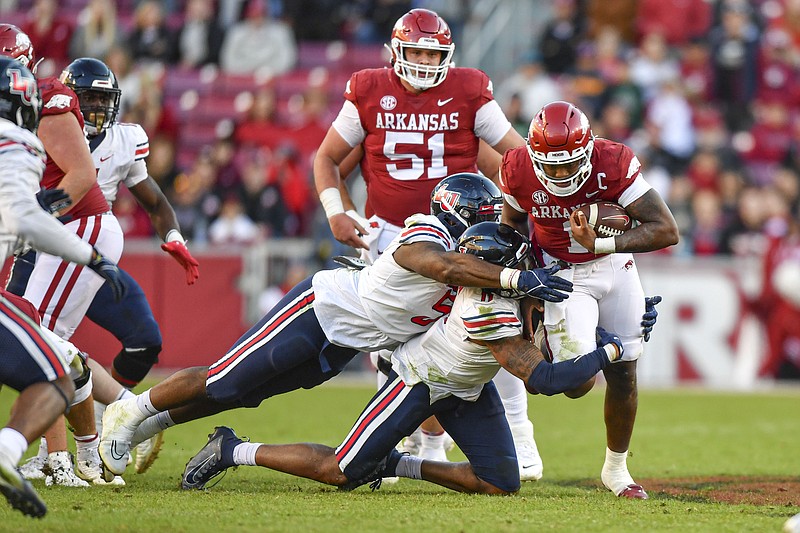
[
  {"x": 152, "y": 456},
  {"x": 23, "y": 498}
]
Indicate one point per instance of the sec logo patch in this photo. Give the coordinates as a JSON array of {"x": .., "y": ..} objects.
[{"x": 388, "y": 102}]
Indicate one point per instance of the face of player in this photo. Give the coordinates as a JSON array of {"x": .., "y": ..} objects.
[
  {"x": 423, "y": 57},
  {"x": 562, "y": 171}
]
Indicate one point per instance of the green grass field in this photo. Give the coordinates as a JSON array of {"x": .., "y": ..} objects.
[{"x": 679, "y": 434}]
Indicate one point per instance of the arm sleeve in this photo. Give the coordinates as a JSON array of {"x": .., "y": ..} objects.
[
  {"x": 22, "y": 216},
  {"x": 491, "y": 124},
  {"x": 554, "y": 378}
]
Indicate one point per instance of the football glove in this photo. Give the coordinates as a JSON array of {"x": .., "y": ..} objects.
[
  {"x": 110, "y": 272},
  {"x": 607, "y": 337},
  {"x": 650, "y": 315},
  {"x": 543, "y": 284},
  {"x": 53, "y": 200},
  {"x": 181, "y": 254}
]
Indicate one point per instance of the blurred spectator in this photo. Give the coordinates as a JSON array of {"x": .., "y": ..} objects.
[
  {"x": 679, "y": 21},
  {"x": 696, "y": 71},
  {"x": 704, "y": 171},
  {"x": 770, "y": 140},
  {"x": 531, "y": 84},
  {"x": 120, "y": 62},
  {"x": 151, "y": 39},
  {"x": 617, "y": 14},
  {"x": 161, "y": 163},
  {"x": 192, "y": 200},
  {"x": 615, "y": 123},
  {"x": 50, "y": 34},
  {"x": 133, "y": 219},
  {"x": 652, "y": 65},
  {"x": 561, "y": 37},
  {"x": 669, "y": 120},
  {"x": 150, "y": 112},
  {"x": 734, "y": 54},
  {"x": 310, "y": 121},
  {"x": 622, "y": 92},
  {"x": 260, "y": 125},
  {"x": 708, "y": 223},
  {"x": 743, "y": 236},
  {"x": 262, "y": 199},
  {"x": 326, "y": 20},
  {"x": 227, "y": 179},
  {"x": 201, "y": 36},
  {"x": 258, "y": 44},
  {"x": 97, "y": 30},
  {"x": 518, "y": 119},
  {"x": 300, "y": 200},
  {"x": 232, "y": 226},
  {"x": 296, "y": 272},
  {"x": 585, "y": 83},
  {"x": 778, "y": 77}
]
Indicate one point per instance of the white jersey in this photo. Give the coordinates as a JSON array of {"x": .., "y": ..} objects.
[
  {"x": 119, "y": 157},
  {"x": 384, "y": 305},
  {"x": 446, "y": 359},
  {"x": 22, "y": 162}
]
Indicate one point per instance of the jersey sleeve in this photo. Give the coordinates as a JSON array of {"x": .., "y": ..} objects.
[
  {"x": 422, "y": 228},
  {"x": 58, "y": 99},
  {"x": 140, "y": 147},
  {"x": 497, "y": 318}
]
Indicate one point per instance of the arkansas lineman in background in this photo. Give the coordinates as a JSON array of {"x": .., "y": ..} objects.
[
  {"x": 418, "y": 122},
  {"x": 62, "y": 291},
  {"x": 562, "y": 168},
  {"x": 31, "y": 364}
]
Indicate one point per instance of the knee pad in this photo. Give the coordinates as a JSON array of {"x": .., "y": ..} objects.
[{"x": 133, "y": 364}]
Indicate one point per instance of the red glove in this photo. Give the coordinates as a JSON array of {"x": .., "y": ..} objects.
[{"x": 181, "y": 254}]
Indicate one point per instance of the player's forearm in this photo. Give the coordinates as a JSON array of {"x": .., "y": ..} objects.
[
  {"x": 464, "y": 270},
  {"x": 164, "y": 220},
  {"x": 646, "y": 237},
  {"x": 46, "y": 234},
  {"x": 554, "y": 378}
]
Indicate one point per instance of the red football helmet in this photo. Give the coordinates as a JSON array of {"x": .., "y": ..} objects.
[
  {"x": 421, "y": 28},
  {"x": 16, "y": 44},
  {"x": 560, "y": 144}
]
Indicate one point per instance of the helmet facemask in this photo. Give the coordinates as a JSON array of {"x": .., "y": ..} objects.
[
  {"x": 99, "y": 108},
  {"x": 578, "y": 162},
  {"x": 422, "y": 77}
]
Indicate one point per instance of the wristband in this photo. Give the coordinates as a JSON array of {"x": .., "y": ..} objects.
[
  {"x": 174, "y": 235},
  {"x": 509, "y": 278},
  {"x": 331, "y": 200},
  {"x": 612, "y": 351},
  {"x": 605, "y": 245}
]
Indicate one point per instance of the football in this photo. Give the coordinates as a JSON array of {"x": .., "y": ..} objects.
[{"x": 607, "y": 219}]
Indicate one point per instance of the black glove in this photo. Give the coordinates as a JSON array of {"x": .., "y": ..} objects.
[
  {"x": 110, "y": 272},
  {"x": 608, "y": 337},
  {"x": 541, "y": 283},
  {"x": 650, "y": 315},
  {"x": 53, "y": 200}
]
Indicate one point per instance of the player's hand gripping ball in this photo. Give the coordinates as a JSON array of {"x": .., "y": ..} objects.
[{"x": 607, "y": 219}]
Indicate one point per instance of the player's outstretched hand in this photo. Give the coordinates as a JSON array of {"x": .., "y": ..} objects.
[
  {"x": 650, "y": 315},
  {"x": 180, "y": 252},
  {"x": 542, "y": 283},
  {"x": 109, "y": 271},
  {"x": 53, "y": 200},
  {"x": 609, "y": 337}
]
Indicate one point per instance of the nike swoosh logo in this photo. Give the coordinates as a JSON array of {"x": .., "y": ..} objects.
[
  {"x": 590, "y": 194},
  {"x": 443, "y": 102},
  {"x": 198, "y": 468},
  {"x": 102, "y": 159},
  {"x": 114, "y": 454}
]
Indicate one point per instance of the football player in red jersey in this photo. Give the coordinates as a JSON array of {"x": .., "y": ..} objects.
[
  {"x": 562, "y": 167},
  {"x": 417, "y": 122},
  {"x": 62, "y": 291}
]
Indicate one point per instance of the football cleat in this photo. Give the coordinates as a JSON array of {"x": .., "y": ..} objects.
[
  {"x": 147, "y": 452},
  {"x": 59, "y": 471},
  {"x": 119, "y": 424},
  {"x": 212, "y": 459},
  {"x": 18, "y": 491},
  {"x": 528, "y": 458},
  {"x": 386, "y": 468},
  {"x": 634, "y": 491},
  {"x": 32, "y": 468},
  {"x": 89, "y": 468}
]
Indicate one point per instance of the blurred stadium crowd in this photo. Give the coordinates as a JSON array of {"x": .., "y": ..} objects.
[{"x": 237, "y": 94}]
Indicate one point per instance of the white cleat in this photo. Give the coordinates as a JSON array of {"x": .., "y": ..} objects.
[
  {"x": 531, "y": 467},
  {"x": 32, "y": 468},
  {"x": 147, "y": 452},
  {"x": 89, "y": 468},
  {"x": 119, "y": 424},
  {"x": 58, "y": 471}
]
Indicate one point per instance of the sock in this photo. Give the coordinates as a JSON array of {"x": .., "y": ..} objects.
[
  {"x": 145, "y": 405},
  {"x": 124, "y": 394},
  {"x": 432, "y": 440},
  {"x": 616, "y": 460},
  {"x": 42, "y": 448},
  {"x": 615, "y": 473},
  {"x": 245, "y": 453},
  {"x": 14, "y": 443},
  {"x": 409, "y": 466},
  {"x": 86, "y": 442},
  {"x": 152, "y": 426}
]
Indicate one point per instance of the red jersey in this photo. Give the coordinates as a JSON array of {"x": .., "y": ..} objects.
[
  {"x": 57, "y": 98},
  {"x": 413, "y": 141},
  {"x": 614, "y": 170}
]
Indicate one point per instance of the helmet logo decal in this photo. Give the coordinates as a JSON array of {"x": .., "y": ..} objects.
[
  {"x": 24, "y": 87},
  {"x": 388, "y": 102},
  {"x": 540, "y": 197},
  {"x": 447, "y": 199}
]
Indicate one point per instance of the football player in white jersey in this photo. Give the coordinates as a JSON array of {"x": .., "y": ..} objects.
[
  {"x": 326, "y": 320},
  {"x": 32, "y": 364},
  {"x": 447, "y": 372}
]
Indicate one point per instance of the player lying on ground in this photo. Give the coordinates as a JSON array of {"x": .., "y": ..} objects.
[
  {"x": 446, "y": 372},
  {"x": 327, "y": 319}
]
